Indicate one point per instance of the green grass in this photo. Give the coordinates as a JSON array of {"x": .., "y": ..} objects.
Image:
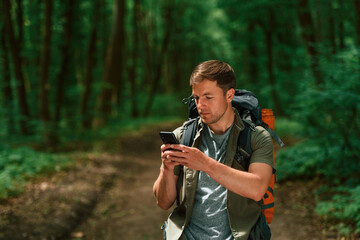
[{"x": 20, "y": 164}]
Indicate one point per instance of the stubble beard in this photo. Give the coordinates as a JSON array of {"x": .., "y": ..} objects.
[{"x": 216, "y": 118}]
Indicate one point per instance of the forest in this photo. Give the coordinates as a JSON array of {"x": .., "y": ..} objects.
[{"x": 78, "y": 70}]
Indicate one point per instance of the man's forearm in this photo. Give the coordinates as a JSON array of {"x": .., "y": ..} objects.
[
  {"x": 252, "y": 184},
  {"x": 165, "y": 188}
]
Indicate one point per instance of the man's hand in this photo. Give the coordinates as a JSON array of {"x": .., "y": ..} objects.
[
  {"x": 190, "y": 157},
  {"x": 254, "y": 182},
  {"x": 165, "y": 185},
  {"x": 166, "y": 152}
]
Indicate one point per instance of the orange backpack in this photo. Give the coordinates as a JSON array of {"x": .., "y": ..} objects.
[
  {"x": 244, "y": 145},
  {"x": 267, "y": 206}
]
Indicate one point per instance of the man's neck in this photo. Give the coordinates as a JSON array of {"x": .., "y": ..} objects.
[{"x": 224, "y": 123}]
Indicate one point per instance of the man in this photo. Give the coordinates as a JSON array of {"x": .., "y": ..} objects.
[{"x": 220, "y": 196}]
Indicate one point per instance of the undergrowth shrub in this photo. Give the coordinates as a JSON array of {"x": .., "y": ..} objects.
[
  {"x": 330, "y": 115},
  {"x": 16, "y": 165},
  {"x": 343, "y": 206}
]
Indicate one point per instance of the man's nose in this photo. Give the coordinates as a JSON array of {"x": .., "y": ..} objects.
[{"x": 200, "y": 104}]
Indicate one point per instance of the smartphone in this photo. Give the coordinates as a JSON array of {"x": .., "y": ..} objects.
[{"x": 168, "y": 138}]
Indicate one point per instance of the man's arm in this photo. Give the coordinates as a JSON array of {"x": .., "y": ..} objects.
[
  {"x": 252, "y": 184},
  {"x": 165, "y": 186}
]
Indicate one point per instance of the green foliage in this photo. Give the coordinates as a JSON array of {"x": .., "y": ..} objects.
[
  {"x": 301, "y": 160},
  {"x": 16, "y": 165},
  {"x": 169, "y": 105},
  {"x": 331, "y": 112},
  {"x": 330, "y": 115},
  {"x": 288, "y": 127},
  {"x": 344, "y": 208}
]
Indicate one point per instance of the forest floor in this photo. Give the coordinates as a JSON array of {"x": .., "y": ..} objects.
[{"x": 107, "y": 194}]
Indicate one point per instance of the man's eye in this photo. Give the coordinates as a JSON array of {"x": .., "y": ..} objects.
[{"x": 209, "y": 98}]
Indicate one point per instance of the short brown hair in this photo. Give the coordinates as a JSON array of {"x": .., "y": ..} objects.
[{"x": 214, "y": 70}]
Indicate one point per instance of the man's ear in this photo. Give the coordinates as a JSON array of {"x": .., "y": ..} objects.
[{"x": 230, "y": 95}]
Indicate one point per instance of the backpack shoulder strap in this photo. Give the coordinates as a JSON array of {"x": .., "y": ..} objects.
[
  {"x": 273, "y": 134},
  {"x": 189, "y": 132},
  {"x": 187, "y": 139},
  {"x": 244, "y": 151}
]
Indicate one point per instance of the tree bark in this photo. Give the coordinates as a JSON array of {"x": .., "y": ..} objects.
[
  {"x": 63, "y": 76},
  {"x": 8, "y": 99},
  {"x": 168, "y": 18},
  {"x": 20, "y": 23},
  {"x": 253, "y": 68},
  {"x": 16, "y": 56},
  {"x": 113, "y": 64},
  {"x": 45, "y": 64},
  {"x": 270, "y": 61},
  {"x": 147, "y": 48},
  {"x": 119, "y": 82},
  {"x": 308, "y": 34},
  {"x": 132, "y": 72},
  {"x": 90, "y": 64},
  {"x": 357, "y": 21},
  {"x": 341, "y": 26},
  {"x": 331, "y": 23},
  {"x": 44, "y": 75}
]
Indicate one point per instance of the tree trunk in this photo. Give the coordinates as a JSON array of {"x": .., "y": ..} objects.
[
  {"x": 357, "y": 21},
  {"x": 341, "y": 26},
  {"x": 90, "y": 64},
  {"x": 147, "y": 51},
  {"x": 44, "y": 74},
  {"x": 45, "y": 63},
  {"x": 331, "y": 22},
  {"x": 132, "y": 73},
  {"x": 16, "y": 56},
  {"x": 270, "y": 62},
  {"x": 113, "y": 64},
  {"x": 118, "y": 82},
  {"x": 253, "y": 68},
  {"x": 168, "y": 18},
  {"x": 308, "y": 34},
  {"x": 63, "y": 76},
  {"x": 318, "y": 25},
  {"x": 20, "y": 23},
  {"x": 8, "y": 98}
]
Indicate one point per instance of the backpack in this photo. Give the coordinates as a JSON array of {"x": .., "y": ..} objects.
[{"x": 250, "y": 112}]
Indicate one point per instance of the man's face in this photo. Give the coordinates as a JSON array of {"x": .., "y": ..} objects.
[{"x": 211, "y": 102}]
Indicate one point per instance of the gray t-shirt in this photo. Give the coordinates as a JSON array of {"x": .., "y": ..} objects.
[{"x": 209, "y": 218}]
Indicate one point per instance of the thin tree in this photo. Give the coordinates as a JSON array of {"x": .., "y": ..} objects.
[
  {"x": 112, "y": 75},
  {"x": 252, "y": 54},
  {"x": 132, "y": 72},
  {"x": 89, "y": 66},
  {"x": 331, "y": 27},
  {"x": 44, "y": 73},
  {"x": 168, "y": 19},
  {"x": 269, "y": 30},
  {"x": 341, "y": 25},
  {"x": 357, "y": 21},
  {"x": 308, "y": 34},
  {"x": 8, "y": 97},
  {"x": 17, "y": 66},
  {"x": 65, "y": 59}
]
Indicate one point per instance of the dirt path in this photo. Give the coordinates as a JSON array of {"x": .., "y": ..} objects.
[{"x": 108, "y": 196}]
